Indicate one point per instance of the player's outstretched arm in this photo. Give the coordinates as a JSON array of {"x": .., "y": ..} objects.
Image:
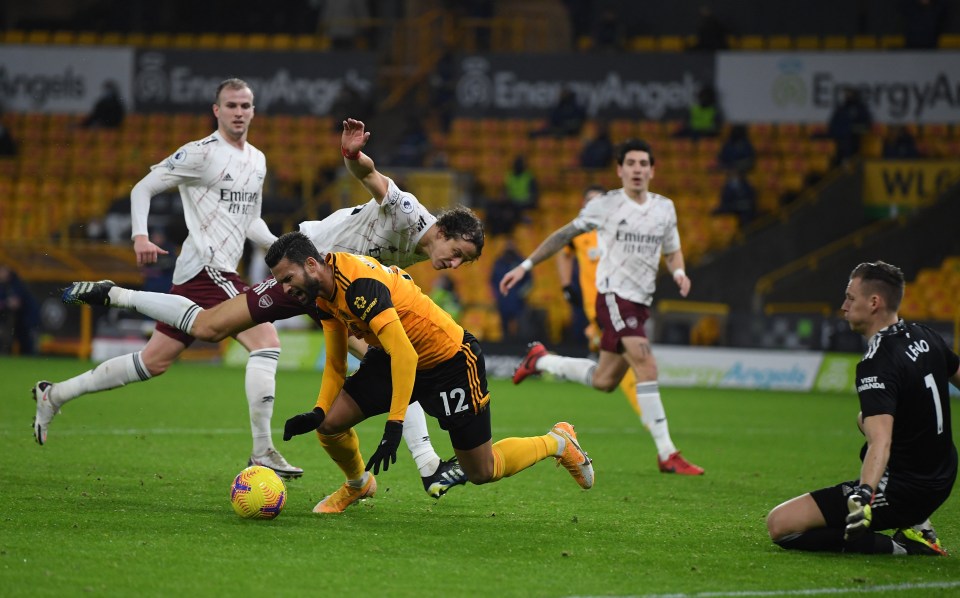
[
  {"x": 360, "y": 165},
  {"x": 557, "y": 240}
]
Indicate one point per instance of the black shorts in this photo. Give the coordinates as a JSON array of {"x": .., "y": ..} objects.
[
  {"x": 454, "y": 392},
  {"x": 896, "y": 503}
]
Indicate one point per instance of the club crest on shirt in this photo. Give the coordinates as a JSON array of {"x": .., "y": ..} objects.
[
  {"x": 632, "y": 322},
  {"x": 265, "y": 301}
]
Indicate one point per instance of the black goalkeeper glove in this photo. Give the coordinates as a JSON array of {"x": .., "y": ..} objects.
[
  {"x": 303, "y": 423},
  {"x": 861, "y": 513},
  {"x": 572, "y": 295},
  {"x": 386, "y": 453}
]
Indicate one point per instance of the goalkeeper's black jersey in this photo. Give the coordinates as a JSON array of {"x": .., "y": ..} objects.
[{"x": 905, "y": 373}]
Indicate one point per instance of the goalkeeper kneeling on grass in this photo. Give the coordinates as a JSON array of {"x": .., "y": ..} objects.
[
  {"x": 417, "y": 353},
  {"x": 909, "y": 459}
]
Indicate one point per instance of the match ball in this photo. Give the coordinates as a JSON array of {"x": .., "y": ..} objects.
[{"x": 258, "y": 493}]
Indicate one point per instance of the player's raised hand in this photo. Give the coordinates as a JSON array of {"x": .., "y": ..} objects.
[
  {"x": 146, "y": 251},
  {"x": 354, "y": 136}
]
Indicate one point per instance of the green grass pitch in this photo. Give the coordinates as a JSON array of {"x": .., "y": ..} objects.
[{"x": 130, "y": 497}]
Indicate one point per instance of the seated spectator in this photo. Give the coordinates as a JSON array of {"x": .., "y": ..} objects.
[
  {"x": 850, "y": 121},
  {"x": 738, "y": 197},
  {"x": 598, "y": 152},
  {"x": 108, "y": 112},
  {"x": 19, "y": 313},
  {"x": 704, "y": 118},
  {"x": 8, "y": 147},
  {"x": 737, "y": 152},
  {"x": 565, "y": 119},
  {"x": 413, "y": 145},
  {"x": 923, "y": 21},
  {"x": 608, "y": 32},
  {"x": 520, "y": 187},
  {"x": 899, "y": 144},
  {"x": 711, "y": 34}
]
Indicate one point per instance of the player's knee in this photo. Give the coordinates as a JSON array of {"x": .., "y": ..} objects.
[
  {"x": 777, "y": 525},
  {"x": 206, "y": 331}
]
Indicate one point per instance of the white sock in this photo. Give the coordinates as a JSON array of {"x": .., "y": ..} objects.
[
  {"x": 359, "y": 483},
  {"x": 561, "y": 443},
  {"x": 654, "y": 417},
  {"x": 112, "y": 373},
  {"x": 417, "y": 437},
  {"x": 174, "y": 310},
  {"x": 574, "y": 369},
  {"x": 261, "y": 386}
]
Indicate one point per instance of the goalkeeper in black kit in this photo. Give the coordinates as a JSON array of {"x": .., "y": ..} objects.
[{"x": 909, "y": 459}]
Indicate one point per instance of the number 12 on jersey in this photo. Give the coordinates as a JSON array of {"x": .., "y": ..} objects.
[{"x": 458, "y": 395}]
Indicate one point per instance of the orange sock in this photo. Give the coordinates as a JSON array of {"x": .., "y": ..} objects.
[
  {"x": 628, "y": 384},
  {"x": 512, "y": 455},
  {"x": 344, "y": 449}
]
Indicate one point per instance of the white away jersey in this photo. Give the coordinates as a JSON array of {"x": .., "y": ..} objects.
[
  {"x": 631, "y": 238},
  {"x": 387, "y": 231},
  {"x": 222, "y": 192}
]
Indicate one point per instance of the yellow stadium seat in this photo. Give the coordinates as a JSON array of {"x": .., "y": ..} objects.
[
  {"x": 258, "y": 41},
  {"x": 751, "y": 42},
  {"x": 865, "y": 42},
  {"x": 159, "y": 40},
  {"x": 63, "y": 38},
  {"x": 15, "y": 36},
  {"x": 306, "y": 42},
  {"x": 184, "y": 41},
  {"x": 208, "y": 41},
  {"x": 808, "y": 42},
  {"x": 670, "y": 43},
  {"x": 643, "y": 43},
  {"x": 136, "y": 39},
  {"x": 836, "y": 42},
  {"x": 111, "y": 38},
  {"x": 38, "y": 37},
  {"x": 88, "y": 38},
  {"x": 949, "y": 41},
  {"x": 780, "y": 42},
  {"x": 281, "y": 41},
  {"x": 888, "y": 42},
  {"x": 233, "y": 41}
]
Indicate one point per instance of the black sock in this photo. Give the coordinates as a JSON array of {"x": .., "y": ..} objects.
[{"x": 827, "y": 539}]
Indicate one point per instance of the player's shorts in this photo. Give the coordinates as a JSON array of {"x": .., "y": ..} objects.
[
  {"x": 268, "y": 303},
  {"x": 454, "y": 392},
  {"x": 896, "y": 503},
  {"x": 208, "y": 288},
  {"x": 619, "y": 318}
]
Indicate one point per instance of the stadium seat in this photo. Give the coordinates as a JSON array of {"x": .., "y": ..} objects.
[
  {"x": 159, "y": 40},
  {"x": 40, "y": 37},
  {"x": 751, "y": 42},
  {"x": 779, "y": 42},
  {"x": 865, "y": 42},
  {"x": 890, "y": 42},
  {"x": 184, "y": 41},
  {"x": 136, "y": 39},
  {"x": 14, "y": 36},
  {"x": 949, "y": 41},
  {"x": 233, "y": 41},
  {"x": 808, "y": 42},
  {"x": 63, "y": 38},
  {"x": 643, "y": 43},
  {"x": 670, "y": 43},
  {"x": 110, "y": 38},
  {"x": 836, "y": 42}
]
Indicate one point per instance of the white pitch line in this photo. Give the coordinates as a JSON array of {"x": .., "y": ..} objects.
[{"x": 903, "y": 587}]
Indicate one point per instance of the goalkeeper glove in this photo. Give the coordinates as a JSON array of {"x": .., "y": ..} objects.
[
  {"x": 303, "y": 423},
  {"x": 572, "y": 295},
  {"x": 386, "y": 453},
  {"x": 861, "y": 514}
]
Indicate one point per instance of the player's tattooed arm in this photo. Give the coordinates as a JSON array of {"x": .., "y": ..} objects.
[{"x": 554, "y": 243}]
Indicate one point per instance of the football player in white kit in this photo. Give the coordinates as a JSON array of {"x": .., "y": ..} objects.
[
  {"x": 393, "y": 227},
  {"x": 220, "y": 180},
  {"x": 634, "y": 228}
]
